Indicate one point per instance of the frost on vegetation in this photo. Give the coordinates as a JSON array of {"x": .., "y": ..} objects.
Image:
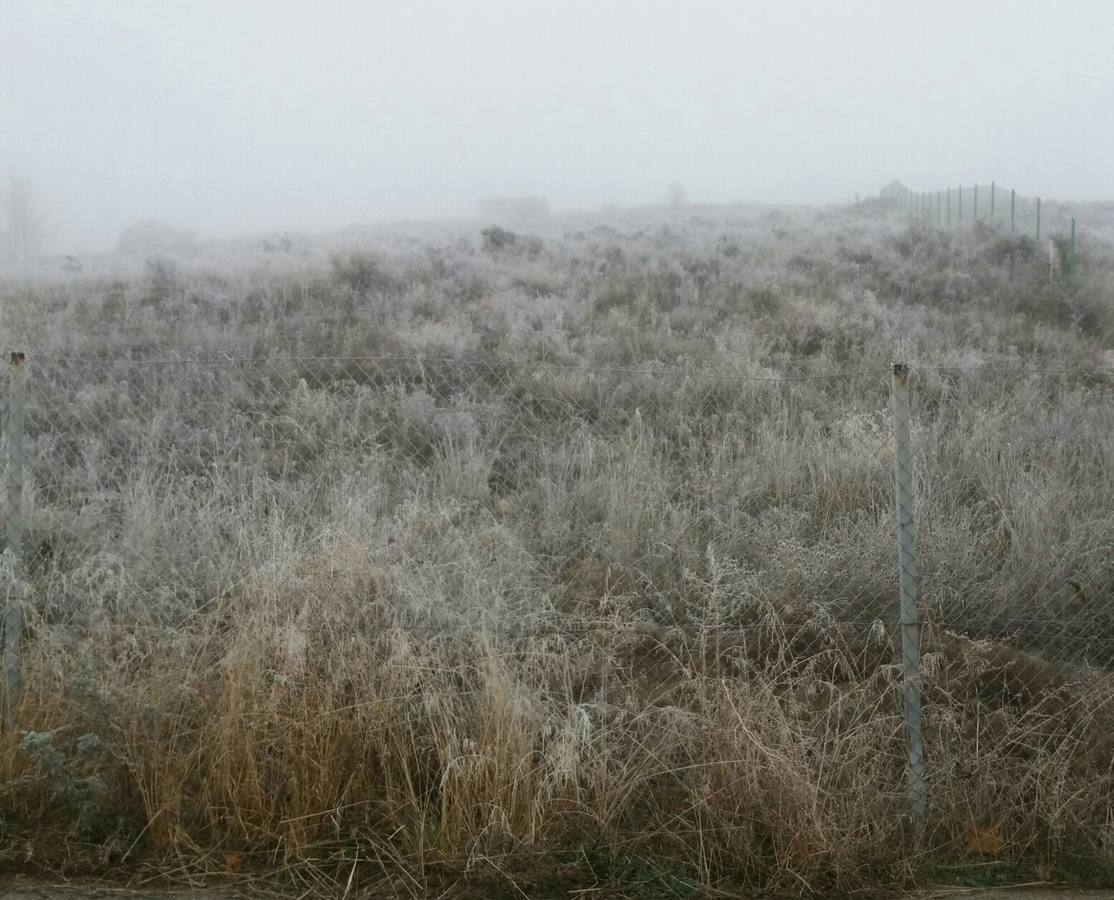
[
  {"x": 474, "y": 537},
  {"x": 70, "y": 785},
  {"x": 362, "y": 272}
]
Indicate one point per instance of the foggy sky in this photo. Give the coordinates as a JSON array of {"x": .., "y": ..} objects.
[{"x": 241, "y": 116}]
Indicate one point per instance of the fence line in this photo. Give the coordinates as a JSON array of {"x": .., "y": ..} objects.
[
  {"x": 117, "y": 469},
  {"x": 1023, "y": 214},
  {"x": 542, "y": 366}
]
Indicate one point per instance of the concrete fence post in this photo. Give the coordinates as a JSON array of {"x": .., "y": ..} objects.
[
  {"x": 13, "y": 617},
  {"x": 908, "y": 587}
]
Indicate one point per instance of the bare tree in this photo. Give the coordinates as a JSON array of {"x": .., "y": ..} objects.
[{"x": 24, "y": 233}]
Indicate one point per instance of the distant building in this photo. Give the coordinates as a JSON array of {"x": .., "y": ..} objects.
[
  {"x": 895, "y": 190},
  {"x": 514, "y": 209},
  {"x": 153, "y": 237}
]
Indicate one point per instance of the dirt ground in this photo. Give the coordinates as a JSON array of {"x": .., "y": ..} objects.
[
  {"x": 22, "y": 888},
  {"x": 1019, "y": 893}
]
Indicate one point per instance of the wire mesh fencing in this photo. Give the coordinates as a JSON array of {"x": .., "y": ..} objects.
[
  {"x": 751, "y": 517},
  {"x": 989, "y": 204},
  {"x": 1038, "y": 568}
]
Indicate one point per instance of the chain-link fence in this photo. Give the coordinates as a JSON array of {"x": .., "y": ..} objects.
[{"x": 753, "y": 515}]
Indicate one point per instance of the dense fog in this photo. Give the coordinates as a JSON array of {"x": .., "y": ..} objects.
[{"x": 239, "y": 118}]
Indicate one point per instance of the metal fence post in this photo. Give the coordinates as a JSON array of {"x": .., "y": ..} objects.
[
  {"x": 908, "y": 585},
  {"x": 13, "y": 618}
]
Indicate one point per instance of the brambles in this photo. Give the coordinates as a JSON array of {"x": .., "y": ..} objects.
[
  {"x": 71, "y": 785},
  {"x": 361, "y": 272},
  {"x": 583, "y": 561},
  {"x": 495, "y": 238}
]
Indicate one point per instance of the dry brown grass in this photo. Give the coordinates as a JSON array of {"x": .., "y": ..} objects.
[
  {"x": 294, "y": 726},
  {"x": 569, "y": 601}
]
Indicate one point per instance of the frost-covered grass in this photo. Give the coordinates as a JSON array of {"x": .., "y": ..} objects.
[{"x": 572, "y": 552}]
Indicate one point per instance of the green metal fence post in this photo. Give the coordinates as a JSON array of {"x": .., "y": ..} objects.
[
  {"x": 13, "y": 617},
  {"x": 908, "y": 584}
]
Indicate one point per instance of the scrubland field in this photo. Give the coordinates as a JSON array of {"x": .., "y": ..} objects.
[{"x": 443, "y": 558}]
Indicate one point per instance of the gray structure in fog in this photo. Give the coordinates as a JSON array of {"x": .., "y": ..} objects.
[
  {"x": 895, "y": 190},
  {"x": 514, "y": 209}
]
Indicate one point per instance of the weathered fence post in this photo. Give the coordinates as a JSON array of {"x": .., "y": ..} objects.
[
  {"x": 908, "y": 587},
  {"x": 13, "y": 617}
]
